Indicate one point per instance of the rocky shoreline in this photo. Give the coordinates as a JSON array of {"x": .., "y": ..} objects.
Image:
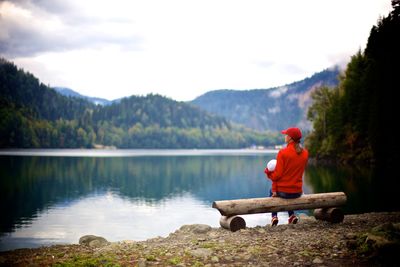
[{"x": 360, "y": 240}]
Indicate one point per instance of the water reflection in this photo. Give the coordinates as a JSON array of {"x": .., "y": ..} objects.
[
  {"x": 34, "y": 187},
  {"x": 110, "y": 216},
  {"x": 366, "y": 189},
  {"x": 48, "y": 200}
]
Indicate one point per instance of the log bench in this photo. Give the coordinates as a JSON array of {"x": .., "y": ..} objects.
[{"x": 326, "y": 207}]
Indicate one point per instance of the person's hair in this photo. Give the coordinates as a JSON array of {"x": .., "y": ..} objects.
[{"x": 297, "y": 146}]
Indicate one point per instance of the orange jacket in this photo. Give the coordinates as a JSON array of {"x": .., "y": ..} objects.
[{"x": 288, "y": 174}]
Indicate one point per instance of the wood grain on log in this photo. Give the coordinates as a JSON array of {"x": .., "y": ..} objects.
[
  {"x": 233, "y": 223},
  {"x": 275, "y": 204},
  {"x": 333, "y": 215}
]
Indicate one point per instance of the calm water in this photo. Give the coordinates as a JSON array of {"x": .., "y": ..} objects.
[{"x": 56, "y": 196}]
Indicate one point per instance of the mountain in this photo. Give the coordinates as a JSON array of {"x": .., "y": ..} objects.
[
  {"x": 157, "y": 110},
  {"x": 22, "y": 91},
  {"x": 271, "y": 109},
  {"x": 95, "y": 100},
  {"x": 33, "y": 115}
]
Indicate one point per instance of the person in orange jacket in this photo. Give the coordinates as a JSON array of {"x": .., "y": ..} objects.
[{"x": 287, "y": 178}]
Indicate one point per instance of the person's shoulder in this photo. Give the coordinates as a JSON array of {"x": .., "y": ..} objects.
[{"x": 284, "y": 150}]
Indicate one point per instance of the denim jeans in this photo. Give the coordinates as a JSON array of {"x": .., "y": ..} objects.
[{"x": 287, "y": 196}]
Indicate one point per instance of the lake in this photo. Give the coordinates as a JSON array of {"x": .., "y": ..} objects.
[{"x": 56, "y": 196}]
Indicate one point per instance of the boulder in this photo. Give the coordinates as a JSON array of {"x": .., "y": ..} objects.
[{"x": 93, "y": 241}]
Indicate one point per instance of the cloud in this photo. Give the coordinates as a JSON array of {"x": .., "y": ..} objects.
[
  {"x": 32, "y": 27},
  {"x": 181, "y": 48},
  {"x": 265, "y": 64},
  {"x": 293, "y": 69},
  {"x": 278, "y": 91}
]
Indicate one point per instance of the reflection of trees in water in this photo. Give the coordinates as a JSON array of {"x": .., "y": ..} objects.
[
  {"x": 365, "y": 188},
  {"x": 30, "y": 184}
]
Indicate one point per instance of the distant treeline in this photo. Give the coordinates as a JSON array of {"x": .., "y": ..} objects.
[
  {"x": 357, "y": 121},
  {"x": 33, "y": 115}
]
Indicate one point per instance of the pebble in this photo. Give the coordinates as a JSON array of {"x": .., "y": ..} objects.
[
  {"x": 201, "y": 252},
  {"x": 142, "y": 263},
  {"x": 247, "y": 257},
  {"x": 228, "y": 258},
  {"x": 261, "y": 231},
  {"x": 213, "y": 234},
  {"x": 318, "y": 261},
  {"x": 350, "y": 236},
  {"x": 214, "y": 259}
]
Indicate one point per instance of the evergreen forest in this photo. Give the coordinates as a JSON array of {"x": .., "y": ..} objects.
[
  {"x": 356, "y": 121},
  {"x": 32, "y": 115},
  {"x": 353, "y": 122}
]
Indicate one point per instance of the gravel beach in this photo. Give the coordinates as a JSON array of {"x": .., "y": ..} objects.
[{"x": 360, "y": 240}]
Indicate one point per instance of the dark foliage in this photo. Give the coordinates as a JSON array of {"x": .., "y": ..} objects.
[
  {"x": 357, "y": 121},
  {"x": 34, "y": 115}
]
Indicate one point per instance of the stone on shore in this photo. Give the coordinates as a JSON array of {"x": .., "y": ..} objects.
[
  {"x": 196, "y": 228},
  {"x": 93, "y": 241}
]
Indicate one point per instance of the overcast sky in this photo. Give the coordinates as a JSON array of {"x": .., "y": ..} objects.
[{"x": 181, "y": 49}]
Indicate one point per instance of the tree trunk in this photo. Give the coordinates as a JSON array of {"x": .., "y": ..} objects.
[{"x": 275, "y": 204}]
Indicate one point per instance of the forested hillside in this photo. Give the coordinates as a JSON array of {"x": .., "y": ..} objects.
[
  {"x": 23, "y": 91},
  {"x": 357, "y": 120},
  {"x": 95, "y": 100},
  {"x": 268, "y": 109},
  {"x": 34, "y": 115}
]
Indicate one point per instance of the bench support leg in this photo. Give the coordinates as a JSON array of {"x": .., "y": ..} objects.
[
  {"x": 333, "y": 215},
  {"x": 233, "y": 223}
]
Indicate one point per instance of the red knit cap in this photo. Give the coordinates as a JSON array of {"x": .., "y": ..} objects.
[{"x": 294, "y": 133}]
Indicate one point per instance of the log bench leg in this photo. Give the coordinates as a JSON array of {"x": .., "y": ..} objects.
[
  {"x": 233, "y": 223},
  {"x": 333, "y": 215}
]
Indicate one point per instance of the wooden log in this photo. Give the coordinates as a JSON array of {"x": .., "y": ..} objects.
[
  {"x": 275, "y": 204},
  {"x": 233, "y": 223},
  {"x": 333, "y": 215}
]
